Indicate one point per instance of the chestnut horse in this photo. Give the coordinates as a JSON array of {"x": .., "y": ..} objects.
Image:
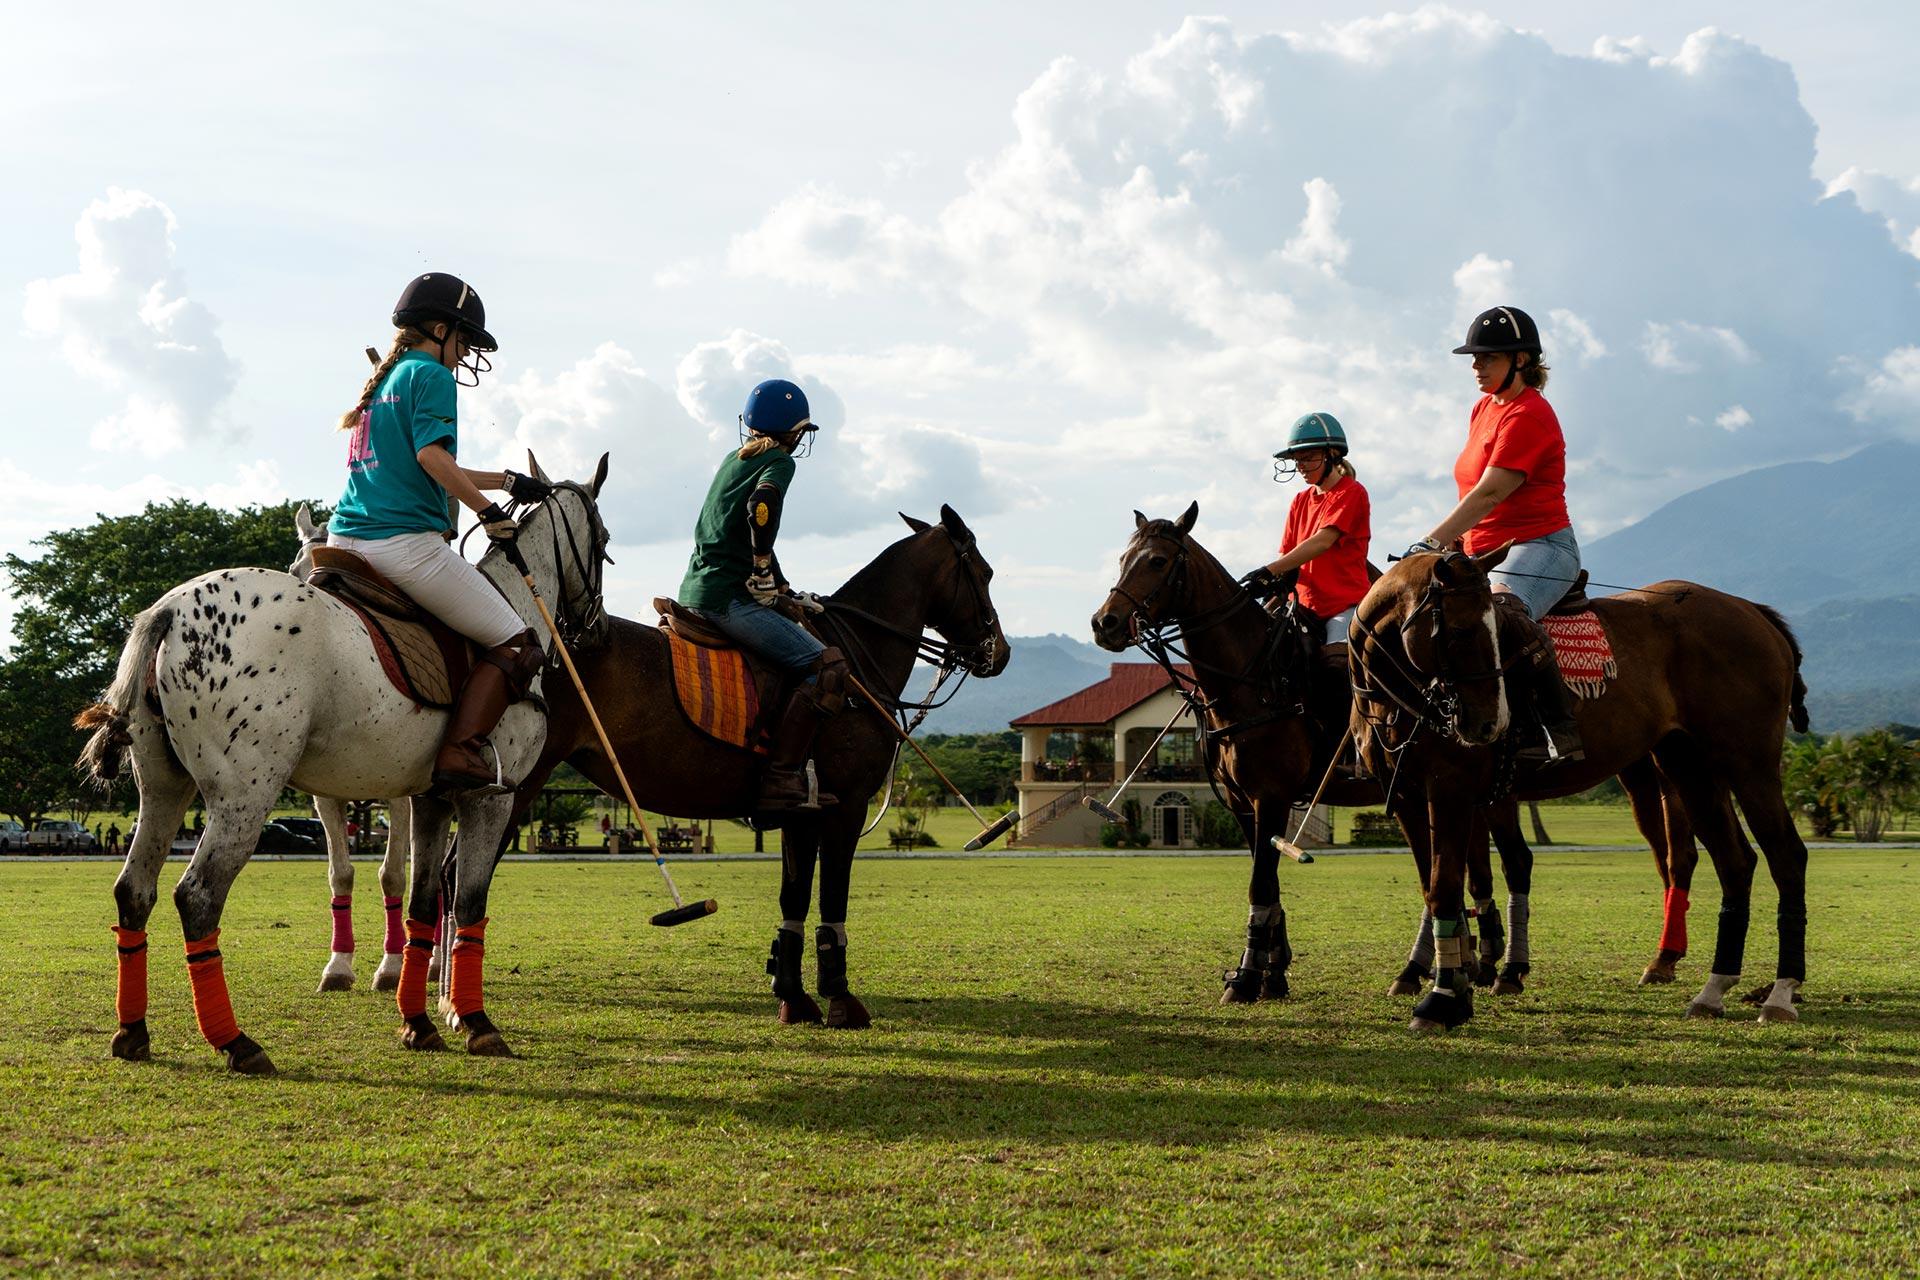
[
  {"x": 935, "y": 578},
  {"x": 1707, "y": 683},
  {"x": 1267, "y": 745}
]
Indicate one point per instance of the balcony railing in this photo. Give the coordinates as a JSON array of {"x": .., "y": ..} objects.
[{"x": 1065, "y": 771}]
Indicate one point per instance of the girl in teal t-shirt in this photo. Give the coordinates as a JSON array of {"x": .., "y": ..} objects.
[{"x": 396, "y": 511}]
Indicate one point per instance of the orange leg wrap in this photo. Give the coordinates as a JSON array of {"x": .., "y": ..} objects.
[
  {"x": 414, "y": 962},
  {"x": 130, "y": 995},
  {"x": 212, "y": 1009},
  {"x": 1673, "y": 937},
  {"x": 468, "y": 949}
]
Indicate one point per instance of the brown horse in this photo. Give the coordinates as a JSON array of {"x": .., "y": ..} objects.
[
  {"x": 1707, "y": 683},
  {"x": 936, "y": 578},
  {"x": 1267, "y": 742}
]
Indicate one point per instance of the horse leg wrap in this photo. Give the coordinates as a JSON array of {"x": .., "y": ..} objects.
[
  {"x": 1673, "y": 931},
  {"x": 1421, "y": 956},
  {"x": 1519, "y": 912},
  {"x": 1273, "y": 985},
  {"x": 212, "y": 1008},
  {"x": 396, "y": 939},
  {"x": 1711, "y": 1002},
  {"x": 1244, "y": 981},
  {"x": 783, "y": 963},
  {"x": 130, "y": 990},
  {"x": 1730, "y": 947},
  {"x": 343, "y": 924},
  {"x": 1493, "y": 940},
  {"x": 1793, "y": 946},
  {"x": 469, "y": 949},
  {"x": 830, "y": 959},
  {"x": 412, "y": 995}
]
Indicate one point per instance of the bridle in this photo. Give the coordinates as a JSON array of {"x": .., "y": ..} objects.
[
  {"x": 579, "y": 615},
  {"x": 946, "y": 656},
  {"x": 1432, "y": 698}
]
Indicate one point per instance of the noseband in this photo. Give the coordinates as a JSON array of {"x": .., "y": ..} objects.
[{"x": 1432, "y": 698}]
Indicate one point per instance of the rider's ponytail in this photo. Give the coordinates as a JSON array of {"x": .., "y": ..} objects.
[
  {"x": 760, "y": 444},
  {"x": 402, "y": 341}
]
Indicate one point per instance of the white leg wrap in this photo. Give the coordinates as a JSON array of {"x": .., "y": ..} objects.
[
  {"x": 339, "y": 965},
  {"x": 1451, "y": 952},
  {"x": 1713, "y": 995},
  {"x": 388, "y": 971},
  {"x": 839, "y": 931},
  {"x": 1517, "y": 914},
  {"x": 795, "y": 926},
  {"x": 1781, "y": 997},
  {"x": 1422, "y": 953}
]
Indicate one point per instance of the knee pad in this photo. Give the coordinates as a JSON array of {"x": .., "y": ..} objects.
[
  {"x": 830, "y": 681},
  {"x": 520, "y": 660}
]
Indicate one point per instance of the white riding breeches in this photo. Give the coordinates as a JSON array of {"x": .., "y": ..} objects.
[{"x": 426, "y": 567}]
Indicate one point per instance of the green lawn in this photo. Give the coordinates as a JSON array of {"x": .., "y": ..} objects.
[{"x": 1050, "y": 1088}]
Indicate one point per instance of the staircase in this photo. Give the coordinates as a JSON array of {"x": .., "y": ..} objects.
[{"x": 1065, "y": 802}]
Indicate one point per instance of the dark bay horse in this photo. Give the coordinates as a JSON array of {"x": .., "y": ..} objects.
[
  {"x": 935, "y": 578},
  {"x": 1706, "y": 686},
  {"x": 1267, "y": 746}
]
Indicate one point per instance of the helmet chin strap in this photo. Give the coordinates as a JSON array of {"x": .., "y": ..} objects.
[{"x": 1513, "y": 371}]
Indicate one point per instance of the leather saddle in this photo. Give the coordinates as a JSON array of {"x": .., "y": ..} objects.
[
  {"x": 1575, "y": 601},
  {"x": 770, "y": 684},
  {"x": 424, "y": 658}
]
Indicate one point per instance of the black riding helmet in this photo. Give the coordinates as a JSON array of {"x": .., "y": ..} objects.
[
  {"x": 1500, "y": 330},
  {"x": 438, "y": 298}
]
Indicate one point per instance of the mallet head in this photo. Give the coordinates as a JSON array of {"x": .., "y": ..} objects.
[
  {"x": 1292, "y": 850},
  {"x": 1101, "y": 807},
  {"x": 692, "y": 911},
  {"x": 993, "y": 832}
]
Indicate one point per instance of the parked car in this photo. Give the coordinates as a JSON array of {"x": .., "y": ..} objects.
[
  {"x": 312, "y": 828},
  {"x": 61, "y": 835},
  {"x": 275, "y": 838},
  {"x": 13, "y": 836}
]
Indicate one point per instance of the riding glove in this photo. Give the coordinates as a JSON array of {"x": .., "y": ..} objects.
[
  {"x": 1424, "y": 547},
  {"x": 1258, "y": 581},
  {"x": 499, "y": 525},
  {"x": 525, "y": 488},
  {"x": 761, "y": 585}
]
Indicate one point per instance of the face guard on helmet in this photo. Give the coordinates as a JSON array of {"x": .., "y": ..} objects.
[
  {"x": 1502, "y": 331},
  {"x": 777, "y": 408},
  {"x": 1310, "y": 431},
  {"x": 438, "y": 298}
]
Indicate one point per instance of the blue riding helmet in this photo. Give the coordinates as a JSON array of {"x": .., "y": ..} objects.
[{"x": 776, "y": 407}]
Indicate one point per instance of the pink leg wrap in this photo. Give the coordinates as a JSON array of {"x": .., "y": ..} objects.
[
  {"x": 439, "y": 919},
  {"x": 396, "y": 930},
  {"x": 343, "y": 923},
  {"x": 1674, "y": 936}
]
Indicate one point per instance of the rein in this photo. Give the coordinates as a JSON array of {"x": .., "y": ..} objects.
[{"x": 1432, "y": 699}]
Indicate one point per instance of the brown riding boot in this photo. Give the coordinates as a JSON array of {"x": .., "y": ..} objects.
[
  {"x": 784, "y": 785},
  {"x": 1545, "y": 692},
  {"x": 500, "y": 677}
]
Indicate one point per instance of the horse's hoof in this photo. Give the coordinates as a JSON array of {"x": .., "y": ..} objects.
[
  {"x": 1274, "y": 987},
  {"x": 131, "y": 1043},
  {"x": 419, "y": 1033},
  {"x": 488, "y": 1044},
  {"x": 800, "y": 1011},
  {"x": 1705, "y": 1011},
  {"x": 1403, "y": 987},
  {"x": 1242, "y": 986},
  {"x": 246, "y": 1058},
  {"x": 1484, "y": 974},
  {"x": 387, "y": 976},
  {"x": 847, "y": 1013},
  {"x": 1778, "y": 1013},
  {"x": 1760, "y": 993},
  {"x": 1425, "y": 1026},
  {"x": 1239, "y": 995},
  {"x": 336, "y": 982},
  {"x": 1442, "y": 1011},
  {"x": 1657, "y": 975}
]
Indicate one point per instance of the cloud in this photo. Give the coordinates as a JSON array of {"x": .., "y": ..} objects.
[
  {"x": 123, "y": 320},
  {"x": 1683, "y": 347},
  {"x": 1735, "y": 417},
  {"x": 1895, "y": 200}
]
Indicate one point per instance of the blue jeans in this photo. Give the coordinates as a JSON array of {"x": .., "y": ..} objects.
[
  {"x": 1539, "y": 572},
  {"x": 768, "y": 633}
]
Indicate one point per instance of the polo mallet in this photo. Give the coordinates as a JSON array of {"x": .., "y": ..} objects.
[
  {"x": 989, "y": 832},
  {"x": 682, "y": 911},
  {"x": 1105, "y": 808},
  {"x": 1292, "y": 847}
]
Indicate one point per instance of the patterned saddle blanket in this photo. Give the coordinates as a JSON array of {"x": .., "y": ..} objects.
[
  {"x": 1584, "y": 653},
  {"x": 425, "y": 659},
  {"x": 722, "y": 692}
]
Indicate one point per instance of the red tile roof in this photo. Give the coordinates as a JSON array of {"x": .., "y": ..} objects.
[{"x": 1127, "y": 685}]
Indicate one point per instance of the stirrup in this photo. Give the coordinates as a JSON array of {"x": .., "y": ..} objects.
[{"x": 447, "y": 786}]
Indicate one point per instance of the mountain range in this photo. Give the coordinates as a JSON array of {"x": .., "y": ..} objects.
[{"x": 1834, "y": 545}]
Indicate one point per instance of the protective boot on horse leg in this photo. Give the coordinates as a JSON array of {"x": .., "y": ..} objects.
[
  {"x": 786, "y": 786},
  {"x": 501, "y": 677},
  {"x": 1537, "y": 675}
]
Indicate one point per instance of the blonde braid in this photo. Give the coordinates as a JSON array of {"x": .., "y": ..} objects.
[{"x": 403, "y": 341}]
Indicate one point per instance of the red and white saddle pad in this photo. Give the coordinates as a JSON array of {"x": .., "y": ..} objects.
[{"x": 1585, "y": 655}]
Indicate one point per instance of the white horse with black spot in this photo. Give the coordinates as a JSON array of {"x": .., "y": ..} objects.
[{"x": 244, "y": 681}]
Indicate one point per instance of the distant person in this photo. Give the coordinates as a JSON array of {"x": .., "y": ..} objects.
[
  {"x": 733, "y": 580},
  {"x": 1328, "y": 526},
  {"x": 113, "y": 838},
  {"x": 1512, "y": 483},
  {"x": 396, "y": 510}
]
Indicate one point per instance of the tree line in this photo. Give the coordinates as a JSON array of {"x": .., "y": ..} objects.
[{"x": 1855, "y": 782}]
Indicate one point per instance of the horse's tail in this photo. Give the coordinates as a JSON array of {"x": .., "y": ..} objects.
[
  {"x": 1797, "y": 708},
  {"x": 100, "y": 759}
]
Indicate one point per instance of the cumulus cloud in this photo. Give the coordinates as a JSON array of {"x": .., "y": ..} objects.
[
  {"x": 1206, "y": 241},
  {"x": 1735, "y": 417},
  {"x": 1895, "y": 200},
  {"x": 123, "y": 320}
]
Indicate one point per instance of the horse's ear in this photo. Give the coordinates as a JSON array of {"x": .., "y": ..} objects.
[
  {"x": 918, "y": 526},
  {"x": 1185, "y": 523},
  {"x": 1139, "y": 521},
  {"x": 1443, "y": 571},
  {"x": 954, "y": 524},
  {"x": 535, "y": 470},
  {"x": 303, "y": 522},
  {"x": 1491, "y": 559},
  {"x": 599, "y": 476}
]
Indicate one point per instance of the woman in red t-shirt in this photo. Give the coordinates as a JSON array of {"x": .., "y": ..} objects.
[
  {"x": 1511, "y": 478},
  {"x": 1328, "y": 525}
]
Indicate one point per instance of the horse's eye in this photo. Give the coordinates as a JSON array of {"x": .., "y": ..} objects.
[{"x": 1156, "y": 562}]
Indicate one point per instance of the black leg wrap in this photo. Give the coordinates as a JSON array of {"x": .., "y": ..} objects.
[
  {"x": 783, "y": 964},
  {"x": 1273, "y": 984},
  {"x": 1493, "y": 945},
  {"x": 1243, "y": 982},
  {"x": 830, "y": 961},
  {"x": 1730, "y": 946},
  {"x": 1449, "y": 1010},
  {"x": 1793, "y": 945}
]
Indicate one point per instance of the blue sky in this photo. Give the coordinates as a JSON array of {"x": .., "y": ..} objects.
[{"x": 1048, "y": 263}]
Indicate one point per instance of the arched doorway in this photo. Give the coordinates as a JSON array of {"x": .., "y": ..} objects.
[{"x": 1172, "y": 819}]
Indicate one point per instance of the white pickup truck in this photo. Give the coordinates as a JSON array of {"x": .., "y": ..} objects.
[{"x": 60, "y": 835}]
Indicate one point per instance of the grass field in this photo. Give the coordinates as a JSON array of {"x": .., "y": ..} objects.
[{"x": 1050, "y": 1088}]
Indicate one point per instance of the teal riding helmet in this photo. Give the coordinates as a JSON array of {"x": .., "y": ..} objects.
[{"x": 1310, "y": 431}]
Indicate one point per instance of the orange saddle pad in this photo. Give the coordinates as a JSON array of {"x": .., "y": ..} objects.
[
  {"x": 717, "y": 692},
  {"x": 1585, "y": 654}
]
